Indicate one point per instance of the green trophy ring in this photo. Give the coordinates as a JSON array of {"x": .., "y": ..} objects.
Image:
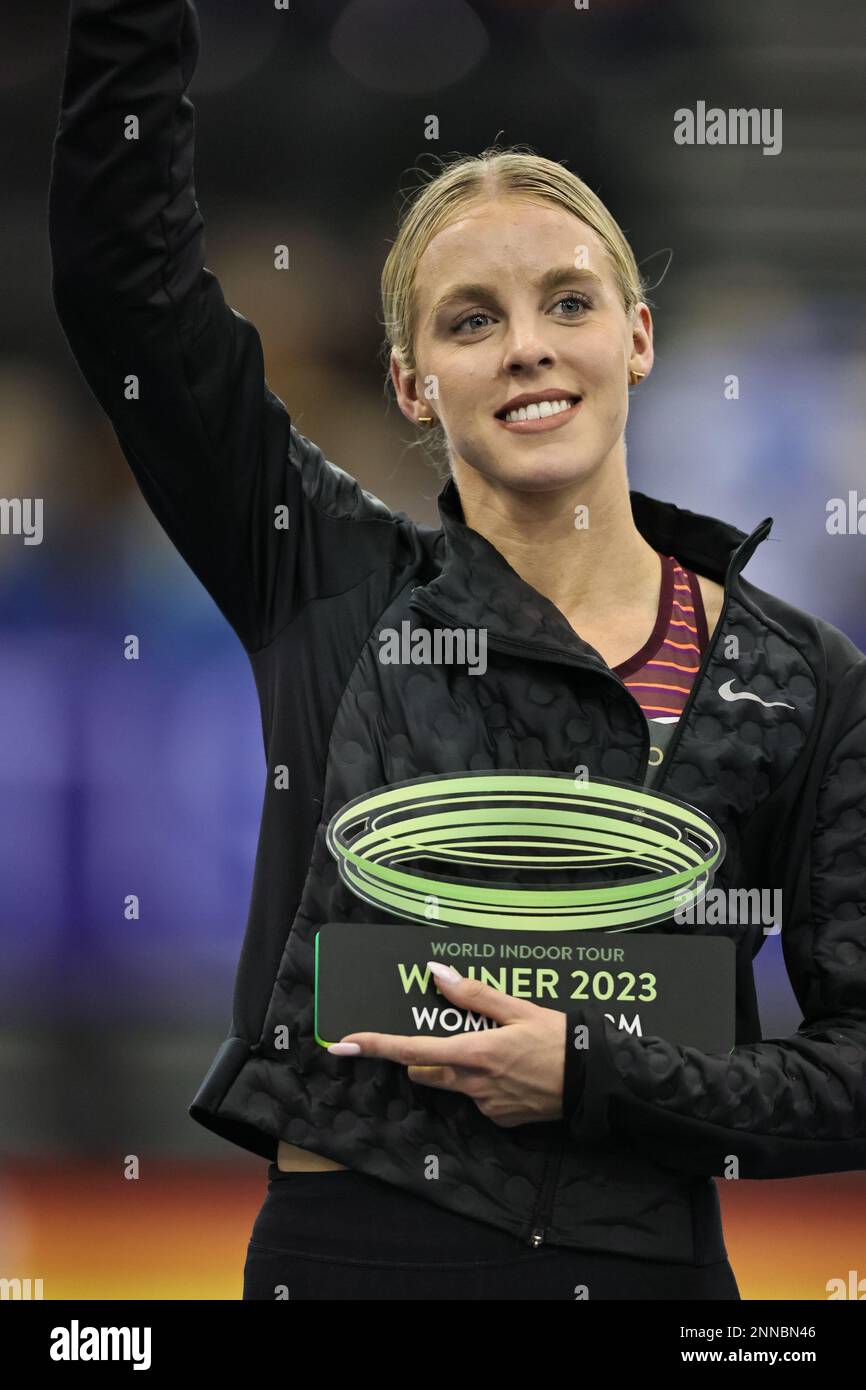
[{"x": 529, "y": 821}]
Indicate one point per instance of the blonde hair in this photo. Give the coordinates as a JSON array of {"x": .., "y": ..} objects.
[{"x": 515, "y": 170}]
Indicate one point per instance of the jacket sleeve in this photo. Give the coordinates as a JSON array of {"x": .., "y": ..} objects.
[
  {"x": 178, "y": 372},
  {"x": 782, "y": 1107}
]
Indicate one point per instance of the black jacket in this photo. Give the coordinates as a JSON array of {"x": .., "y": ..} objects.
[{"x": 648, "y": 1124}]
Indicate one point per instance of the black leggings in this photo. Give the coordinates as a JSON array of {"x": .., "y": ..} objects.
[{"x": 340, "y": 1234}]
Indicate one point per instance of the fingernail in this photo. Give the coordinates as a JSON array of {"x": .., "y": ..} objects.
[
  {"x": 345, "y": 1049},
  {"x": 442, "y": 972}
]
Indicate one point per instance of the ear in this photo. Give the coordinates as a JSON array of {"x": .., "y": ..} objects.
[
  {"x": 642, "y": 356},
  {"x": 406, "y": 390}
]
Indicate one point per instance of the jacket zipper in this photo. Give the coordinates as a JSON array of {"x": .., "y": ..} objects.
[
  {"x": 692, "y": 695},
  {"x": 735, "y": 564},
  {"x": 539, "y": 1224}
]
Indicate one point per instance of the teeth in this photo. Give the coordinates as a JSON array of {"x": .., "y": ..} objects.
[{"x": 538, "y": 410}]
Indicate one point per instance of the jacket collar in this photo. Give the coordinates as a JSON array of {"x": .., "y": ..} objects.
[{"x": 477, "y": 587}]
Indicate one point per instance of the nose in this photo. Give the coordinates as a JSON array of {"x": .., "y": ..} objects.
[{"x": 526, "y": 346}]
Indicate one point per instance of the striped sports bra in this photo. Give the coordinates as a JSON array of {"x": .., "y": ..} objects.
[{"x": 660, "y": 675}]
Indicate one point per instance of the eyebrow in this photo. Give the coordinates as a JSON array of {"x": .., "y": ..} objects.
[{"x": 548, "y": 281}]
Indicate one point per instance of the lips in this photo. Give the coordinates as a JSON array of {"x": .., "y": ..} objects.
[
  {"x": 536, "y": 398},
  {"x": 540, "y": 424}
]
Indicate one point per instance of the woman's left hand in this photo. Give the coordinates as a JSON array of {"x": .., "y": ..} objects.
[{"x": 514, "y": 1072}]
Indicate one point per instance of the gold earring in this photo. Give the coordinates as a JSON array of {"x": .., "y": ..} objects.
[
  {"x": 425, "y": 420},
  {"x": 634, "y": 377}
]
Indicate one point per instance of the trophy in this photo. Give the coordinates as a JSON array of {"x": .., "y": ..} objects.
[{"x": 542, "y": 885}]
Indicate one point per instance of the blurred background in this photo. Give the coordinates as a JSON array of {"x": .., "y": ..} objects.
[{"x": 146, "y": 777}]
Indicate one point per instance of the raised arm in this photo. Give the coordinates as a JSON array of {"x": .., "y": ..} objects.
[{"x": 180, "y": 374}]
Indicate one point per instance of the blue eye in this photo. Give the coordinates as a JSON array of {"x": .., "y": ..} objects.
[
  {"x": 575, "y": 296},
  {"x": 476, "y": 315}
]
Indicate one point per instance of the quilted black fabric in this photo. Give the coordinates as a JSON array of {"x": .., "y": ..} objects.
[
  {"x": 767, "y": 777},
  {"x": 631, "y": 1167}
]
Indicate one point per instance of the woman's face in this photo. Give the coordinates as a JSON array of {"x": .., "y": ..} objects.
[{"x": 517, "y": 297}]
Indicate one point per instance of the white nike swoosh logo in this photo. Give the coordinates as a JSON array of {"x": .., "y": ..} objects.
[{"x": 728, "y": 694}]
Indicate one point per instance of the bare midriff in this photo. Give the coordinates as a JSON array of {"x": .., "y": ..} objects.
[{"x": 291, "y": 1159}]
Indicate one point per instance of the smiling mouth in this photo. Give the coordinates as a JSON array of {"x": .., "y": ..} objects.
[{"x": 540, "y": 414}]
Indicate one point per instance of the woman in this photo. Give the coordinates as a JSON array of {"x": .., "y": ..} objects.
[{"x": 616, "y": 628}]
